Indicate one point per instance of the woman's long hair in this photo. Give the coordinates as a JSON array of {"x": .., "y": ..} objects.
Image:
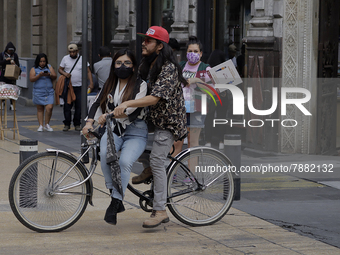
[
  {"x": 165, "y": 54},
  {"x": 111, "y": 82},
  {"x": 37, "y": 60}
]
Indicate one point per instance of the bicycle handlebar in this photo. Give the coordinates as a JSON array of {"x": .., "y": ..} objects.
[{"x": 94, "y": 133}]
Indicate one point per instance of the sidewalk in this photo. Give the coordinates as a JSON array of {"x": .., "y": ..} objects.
[{"x": 236, "y": 233}]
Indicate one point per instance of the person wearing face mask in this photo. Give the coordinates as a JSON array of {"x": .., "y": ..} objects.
[
  {"x": 71, "y": 68},
  {"x": 193, "y": 69},
  {"x": 8, "y": 57},
  {"x": 130, "y": 131}
]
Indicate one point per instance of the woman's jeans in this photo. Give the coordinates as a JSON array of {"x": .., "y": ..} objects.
[{"x": 132, "y": 144}]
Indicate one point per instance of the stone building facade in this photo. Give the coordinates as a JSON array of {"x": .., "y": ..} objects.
[{"x": 287, "y": 45}]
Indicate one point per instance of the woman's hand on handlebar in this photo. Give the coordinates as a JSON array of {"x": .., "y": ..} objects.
[
  {"x": 102, "y": 119},
  {"x": 86, "y": 128}
]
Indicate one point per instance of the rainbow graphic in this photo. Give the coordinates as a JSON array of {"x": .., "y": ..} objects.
[{"x": 209, "y": 90}]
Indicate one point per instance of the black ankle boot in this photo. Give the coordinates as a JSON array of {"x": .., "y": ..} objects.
[
  {"x": 121, "y": 207},
  {"x": 116, "y": 206},
  {"x": 111, "y": 212}
]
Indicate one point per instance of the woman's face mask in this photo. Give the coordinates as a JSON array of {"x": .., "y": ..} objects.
[
  {"x": 123, "y": 72},
  {"x": 193, "y": 57}
]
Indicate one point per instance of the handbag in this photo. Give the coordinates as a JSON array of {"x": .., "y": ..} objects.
[{"x": 67, "y": 82}]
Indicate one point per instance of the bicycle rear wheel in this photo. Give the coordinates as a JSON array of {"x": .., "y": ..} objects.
[
  {"x": 205, "y": 195},
  {"x": 34, "y": 196}
]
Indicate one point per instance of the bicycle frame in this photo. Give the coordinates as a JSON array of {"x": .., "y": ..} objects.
[
  {"x": 60, "y": 190},
  {"x": 92, "y": 145}
]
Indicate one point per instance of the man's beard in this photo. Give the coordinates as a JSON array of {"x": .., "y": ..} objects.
[
  {"x": 150, "y": 58},
  {"x": 75, "y": 56}
]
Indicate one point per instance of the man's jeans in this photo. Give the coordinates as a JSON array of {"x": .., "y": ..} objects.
[
  {"x": 162, "y": 144},
  {"x": 77, "y": 109}
]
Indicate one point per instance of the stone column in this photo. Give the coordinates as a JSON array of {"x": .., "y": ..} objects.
[
  {"x": 263, "y": 65},
  {"x": 76, "y": 21},
  {"x": 122, "y": 37},
  {"x": 10, "y": 22},
  {"x": 37, "y": 27},
  {"x": 2, "y": 46},
  {"x": 299, "y": 69},
  {"x": 24, "y": 28},
  {"x": 180, "y": 27},
  {"x": 62, "y": 32},
  {"x": 50, "y": 28},
  {"x": 77, "y": 25},
  {"x": 261, "y": 25}
]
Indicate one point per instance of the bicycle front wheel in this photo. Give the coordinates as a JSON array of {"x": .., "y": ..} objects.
[
  {"x": 35, "y": 196},
  {"x": 200, "y": 187}
]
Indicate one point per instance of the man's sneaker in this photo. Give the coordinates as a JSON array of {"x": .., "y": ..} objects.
[
  {"x": 143, "y": 177},
  {"x": 208, "y": 144},
  {"x": 66, "y": 128},
  {"x": 40, "y": 128},
  {"x": 77, "y": 128},
  {"x": 221, "y": 146},
  {"x": 48, "y": 128},
  {"x": 11, "y": 108},
  {"x": 156, "y": 218}
]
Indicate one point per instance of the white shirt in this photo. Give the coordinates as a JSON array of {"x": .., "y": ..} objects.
[
  {"x": 117, "y": 100},
  {"x": 76, "y": 76}
]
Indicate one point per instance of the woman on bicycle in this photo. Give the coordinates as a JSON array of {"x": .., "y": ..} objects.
[{"x": 130, "y": 131}]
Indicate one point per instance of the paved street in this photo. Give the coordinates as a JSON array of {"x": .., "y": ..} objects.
[{"x": 295, "y": 213}]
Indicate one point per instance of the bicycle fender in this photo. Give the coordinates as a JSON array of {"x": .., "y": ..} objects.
[
  {"x": 82, "y": 165},
  {"x": 64, "y": 152},
  {"x": 183, "y": 153}
]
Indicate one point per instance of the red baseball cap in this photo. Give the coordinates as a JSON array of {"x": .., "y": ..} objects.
[{"x": 157, "y": 33}]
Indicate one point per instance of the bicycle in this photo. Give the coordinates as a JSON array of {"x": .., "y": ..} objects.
[{"x": 49, "y": 191}]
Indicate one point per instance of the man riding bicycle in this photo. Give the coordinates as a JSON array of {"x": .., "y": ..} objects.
[{"x": 167, "y": 111}]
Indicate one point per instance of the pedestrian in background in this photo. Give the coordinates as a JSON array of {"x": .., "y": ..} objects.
[
  {"x": 232, "y": 50},
  {"x": 102, "y": 67},
  {"x": 173, "y": 43},
  {"x": 71, "y": 68},
  {"x": 192, "y": 69},
  {"x": 8, "y": 57},
  {"x": 43, "y": 74}
]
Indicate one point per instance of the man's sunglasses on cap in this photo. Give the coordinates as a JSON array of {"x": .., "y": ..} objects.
[{"x": 148, "y": 40}]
